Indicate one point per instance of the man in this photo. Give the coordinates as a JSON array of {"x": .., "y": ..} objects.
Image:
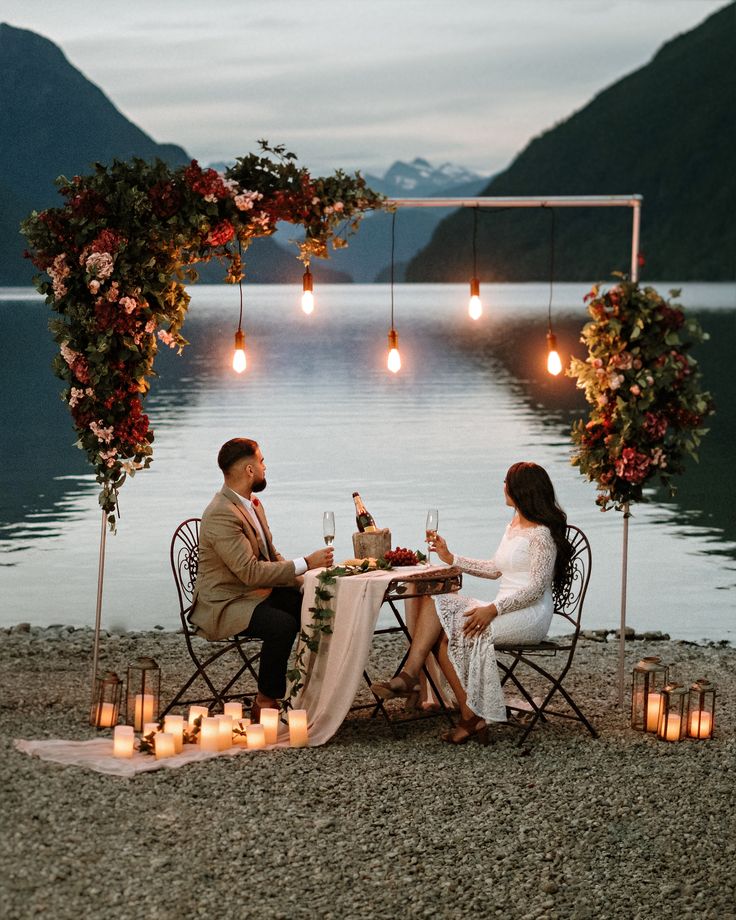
[{"x": 244, "y": 586}]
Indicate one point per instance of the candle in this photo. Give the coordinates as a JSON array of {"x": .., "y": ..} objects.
[
  {"x": 174, "y": 725},
  {"x": 701, "y": 724},
  {"x": 270, "y": 723},
  {"x": 195, "y": 712},
  {"x": 209, "y": 735},
  {"x": 233, "y": 709},
  {"x": 163, "y": 742},
  {"x": 298, "y": 727},
  {"x": 672, "y": 731},
  {"x": 143, "y": 710},
  {"x": 226, "y": 731},
  {"x": 106, "y": 715},
  {"x": 653, "y": 702},
  {"x": 149, "y": 727},
  {"x": 256, "y": 737},
  {"x": 123, "y": 738}
]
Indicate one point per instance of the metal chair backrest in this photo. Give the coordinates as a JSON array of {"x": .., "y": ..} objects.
[
  {"x": 569, "y": 599},
  {"x": 184, "y": 563}
]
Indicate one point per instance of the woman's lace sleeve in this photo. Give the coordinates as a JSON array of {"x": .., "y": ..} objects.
[
  {"x": 482, "y": 568},
  {"x": 542, "y": 554}
]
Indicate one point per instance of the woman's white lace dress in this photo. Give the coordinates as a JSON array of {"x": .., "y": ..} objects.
[{"x": 524, "y": 561}]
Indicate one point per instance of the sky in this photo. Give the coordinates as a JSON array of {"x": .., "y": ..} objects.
[{"x": 356, "y": 84}]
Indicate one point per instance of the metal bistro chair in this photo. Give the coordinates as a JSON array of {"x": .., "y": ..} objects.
[
  {"x": 445, "y": 581},
  {"x": 184, "y": 561},
  {"x": 568, "y": 604}
]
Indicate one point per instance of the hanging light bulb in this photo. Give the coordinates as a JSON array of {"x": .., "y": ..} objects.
[
  {"x": 554, "y": 365},
  {"x": 475, "y": 305},
  {"x": 239, "y": 361},
  {"x": 394, "y": 357},
  {"x": 307, "y": 292}
]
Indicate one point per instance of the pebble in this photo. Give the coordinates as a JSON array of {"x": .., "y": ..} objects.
[{"x": 379, "y": 823}]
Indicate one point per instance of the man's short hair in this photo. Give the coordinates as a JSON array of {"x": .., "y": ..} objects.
[{"x": 235, "y": 449}]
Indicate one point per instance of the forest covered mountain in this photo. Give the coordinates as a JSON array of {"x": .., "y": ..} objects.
[{"x": 666, "y": 131}]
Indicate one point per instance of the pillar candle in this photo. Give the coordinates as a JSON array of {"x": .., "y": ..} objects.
[
  {"x": 298, "y": 727},
  {"x": 209, "y": 735},
  {"x": 256, "y": 737},
  {"x": 106, "y": 715},
  {"x": 174, "y": 725},
  {"x": 164, "y": 745},
  {"x": 143, "y": 710},
  {"x": 701, "y": 724},
  {"x": 234, "y": 709},
  {"x": 226, "y": 731},
  {"x": 123, "y": 738},
  {"x": 672, "y": 731},
  {"x": 270, "y": 723},
  {"x": 195, "y": 711},
  {"x": 653, "y": 701}
]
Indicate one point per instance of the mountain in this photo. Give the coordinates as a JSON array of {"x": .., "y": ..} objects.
[
  {"x": 54, "y": 121},
  {"x": 666, "y": 131},
  {"x": 419, "y": 179}
]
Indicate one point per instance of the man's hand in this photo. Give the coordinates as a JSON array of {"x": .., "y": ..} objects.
[{"x": 321, "y": 558}]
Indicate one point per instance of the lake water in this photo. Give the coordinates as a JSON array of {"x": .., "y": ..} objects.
[{"x": 471, "y": 399}]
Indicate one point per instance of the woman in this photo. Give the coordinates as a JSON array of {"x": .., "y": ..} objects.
[{"x": 532, "y": 556}]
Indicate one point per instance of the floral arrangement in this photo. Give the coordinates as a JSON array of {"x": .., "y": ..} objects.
[
  {"x": 644, "y": 388},
  {"x": 116, "y": 256}
]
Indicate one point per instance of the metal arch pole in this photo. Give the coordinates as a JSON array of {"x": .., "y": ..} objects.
[
  {"x": 635, "y": 232},
  {"x": 98, "y": 613}
]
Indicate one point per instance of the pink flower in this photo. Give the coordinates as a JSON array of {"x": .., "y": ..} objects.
[
  {"x": 100, "y": 265},
  {"x": 635, "y": 389},
  {"x": 104, "y": 435},
  {"x": 633, "y": 466},
  {"x": 167, "y": 338},
  {"x": 128, "y": 304},
  {"x": 94, "y": 286}
]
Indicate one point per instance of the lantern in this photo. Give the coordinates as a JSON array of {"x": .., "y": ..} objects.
[
  {"x": 106, "y": 703},
  {"x": 672, "y": 712},
  {"x": 142, "y": 693},
  {"x": 701, "y": 706},
  {"x": 648, "y": 679}
]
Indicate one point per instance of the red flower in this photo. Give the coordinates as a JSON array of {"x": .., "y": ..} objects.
[
  {"x": 633, "y": 466},
  {"x": 206, "y": 183},
  {"x": 165, "y": 199},
  {"x": 107, "y": 241},
  {"x": 221, "y": 233}
]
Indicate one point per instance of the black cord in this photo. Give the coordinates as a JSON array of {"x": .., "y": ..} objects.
[
  {"x": 240, "y": 285},
  {"x": 475, "y": 241},
  {"x": 551, "y": 265},
  {"x": 393, "y": 243}
]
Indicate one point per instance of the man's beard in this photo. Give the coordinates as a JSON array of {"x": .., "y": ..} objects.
[{"x": 259, "y": 486}]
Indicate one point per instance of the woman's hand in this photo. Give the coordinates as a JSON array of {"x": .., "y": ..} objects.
[
  {"x": 440, "y": 547},
  {"x": 477, "y": 620}
]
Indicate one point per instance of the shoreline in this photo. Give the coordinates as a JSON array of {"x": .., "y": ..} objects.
[{"x": 377, "y": 822}]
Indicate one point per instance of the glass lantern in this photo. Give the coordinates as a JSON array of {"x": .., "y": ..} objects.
[
  {"x": 672, "y": 713},
  {"x": 143, "y": 693},
  {"x": 648, "y": 679},
  {"x": 105, "y": 709},
  {"x": 701, "y": 704}
]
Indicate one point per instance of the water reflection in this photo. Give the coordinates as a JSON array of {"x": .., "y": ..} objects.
[{"x": 470, "y": 400}]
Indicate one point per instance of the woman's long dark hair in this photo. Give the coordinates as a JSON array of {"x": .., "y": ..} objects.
[{"x": 530, "y": 489}]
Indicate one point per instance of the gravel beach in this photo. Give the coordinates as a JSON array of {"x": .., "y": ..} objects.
[{"x": 377, "y": 823}]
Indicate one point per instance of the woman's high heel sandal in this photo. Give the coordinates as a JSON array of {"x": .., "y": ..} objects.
[
  {"x": 403, "y": 685},
  {"x": 473, "y": 729}
]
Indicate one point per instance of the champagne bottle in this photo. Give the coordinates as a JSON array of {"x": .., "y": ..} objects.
[{"x": 363, "y": 518}]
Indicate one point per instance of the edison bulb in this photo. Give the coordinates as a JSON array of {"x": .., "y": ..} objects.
[
  {"x": 239, "y": 362},
  {"x": 554, "y": 365},
  {"x": 308, "y": 302},
  {"x": 394, "y": 361},
  {"x": 475, "y": 307}
]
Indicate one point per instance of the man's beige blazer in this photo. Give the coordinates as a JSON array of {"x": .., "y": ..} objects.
[{"x": 234, "y": 574}]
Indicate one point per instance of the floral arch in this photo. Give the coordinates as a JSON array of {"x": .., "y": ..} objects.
[{"x": 117, "y": 254}]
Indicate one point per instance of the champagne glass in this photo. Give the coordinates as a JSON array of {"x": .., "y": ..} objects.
[
  {"x": 328, "y": 527},
  {"x": 433, "y": 519}
]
